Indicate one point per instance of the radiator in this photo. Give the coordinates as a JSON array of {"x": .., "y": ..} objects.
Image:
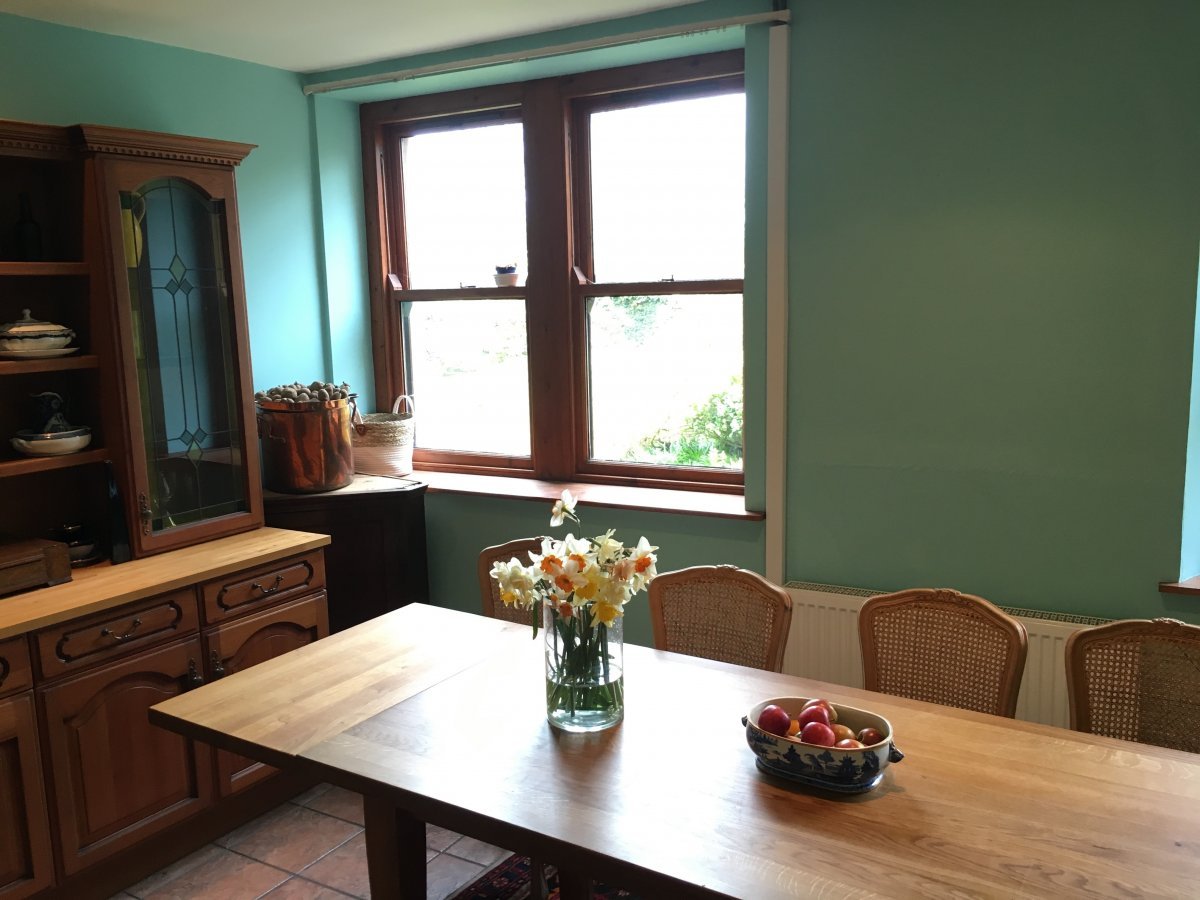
[{"x": 823, "y": 644}]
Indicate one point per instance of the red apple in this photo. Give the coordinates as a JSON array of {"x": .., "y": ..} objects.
[
  {"x": 848, "y": 744},
  {"x": 870, "y": 736},
  {"x": 774, "y": 720},
  {"x": 813, "y": 714},
  {"x": 819, "y": 701},
  {"x": 817, "y": 733}
]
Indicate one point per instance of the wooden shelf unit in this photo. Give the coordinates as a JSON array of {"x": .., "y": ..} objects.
[
  {"x": 44, "y": 268},
  {"x": 54, "y": 364},
  {"x": 31, "y": 464}
]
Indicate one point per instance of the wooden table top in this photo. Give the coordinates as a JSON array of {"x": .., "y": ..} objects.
[
  {"x": 670, "y": 802},
  {"x": 105, "y": 586}
]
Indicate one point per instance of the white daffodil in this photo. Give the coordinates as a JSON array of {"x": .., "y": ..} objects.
[
  {"x": 517, "y": 584},
  {"x": 563, "y": 509},
  {"x": 608, "y": 549},
  {"x": 644, "y": 562}
]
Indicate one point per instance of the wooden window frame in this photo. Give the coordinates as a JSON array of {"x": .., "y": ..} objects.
[{"x": 554, "y": 113}]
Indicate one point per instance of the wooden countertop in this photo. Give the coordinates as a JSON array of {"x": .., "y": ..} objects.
[
  {"x": 362, "y": 484},
  {"x": 105, "y": 586}
]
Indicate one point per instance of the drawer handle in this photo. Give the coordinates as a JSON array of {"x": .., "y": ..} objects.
[
  {"x": 133, "y": 626},
  {"x": 255, "y": 586},
  {"x": 194, "y": 678},
  {"x": 215, "y": 665}
]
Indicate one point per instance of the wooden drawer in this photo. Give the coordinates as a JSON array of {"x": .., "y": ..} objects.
[
  {"x": 84, "y": 642},
  {"x": 16, "y": 672},
  {"x": 253, "y": 589}
]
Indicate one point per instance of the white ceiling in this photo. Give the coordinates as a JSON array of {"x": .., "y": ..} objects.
[{"x": 312, "y": 35}]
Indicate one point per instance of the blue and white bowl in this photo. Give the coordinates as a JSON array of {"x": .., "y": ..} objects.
[{"x": 829, "y": 768}]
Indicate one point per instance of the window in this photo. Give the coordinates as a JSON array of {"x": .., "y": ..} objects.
[{"x": 618, "y": 197}]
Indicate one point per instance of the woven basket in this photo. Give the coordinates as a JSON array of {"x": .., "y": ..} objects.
[{"x": 383, "y": 442}]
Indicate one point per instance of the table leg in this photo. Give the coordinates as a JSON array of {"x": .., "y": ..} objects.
[
  {"x": 395, "y": 851},
  {"x": 574, "y": 886}
]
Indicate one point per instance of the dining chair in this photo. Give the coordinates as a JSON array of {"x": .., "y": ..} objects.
[
  {"x": 1137, "y": 679},
  {"x": 721, "y": 612},
  {"x": 943, "y": 647},
  {"x": 496, "y": 608},
  {"x": 489, "y": 590}
]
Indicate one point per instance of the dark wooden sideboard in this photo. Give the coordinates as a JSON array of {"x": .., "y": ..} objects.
[{"x": 376, "y": 561}]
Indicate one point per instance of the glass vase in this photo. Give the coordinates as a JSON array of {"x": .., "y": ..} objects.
[{"x": 585, "y": 684}]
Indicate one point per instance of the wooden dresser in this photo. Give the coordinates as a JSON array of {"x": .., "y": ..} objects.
[{"x": 93, "y": 796}]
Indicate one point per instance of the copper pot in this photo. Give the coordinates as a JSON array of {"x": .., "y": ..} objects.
[{"x": 306, "y": 446}]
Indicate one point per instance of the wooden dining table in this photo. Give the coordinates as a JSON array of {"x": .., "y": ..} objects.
[{"x": 438, "y": 716}]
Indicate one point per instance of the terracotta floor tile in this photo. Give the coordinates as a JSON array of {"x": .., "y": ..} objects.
[
  {"x": 345, "y": 869},
  {"x": 290, "y": 837},
  {"x": 477, "y": 851},
  {"x": 313, "y": 792},
  {"x": 447, "y": 874},
  {"x": 438, "y": 838},
  {"x": 297, "y": 888},
  {"x": 211, "y": 873},
  {"x": 338, "y": 802}
]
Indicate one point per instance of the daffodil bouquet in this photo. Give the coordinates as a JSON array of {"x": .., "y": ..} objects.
[{"x": 578, "y": 588}]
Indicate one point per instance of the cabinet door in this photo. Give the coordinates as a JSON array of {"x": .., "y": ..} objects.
[
  {"x": 172, "y": 230},
  {"x": 248, "y": 642},
  {"x": 26, "y": 864},
  {"x": 117, "y": 778}
]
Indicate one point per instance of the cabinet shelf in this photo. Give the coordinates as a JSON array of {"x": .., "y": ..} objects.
[
  {"x": 29, "y": 465},
  {"x": 60, "y": 364},
  {"x": 44, "y": 268}
]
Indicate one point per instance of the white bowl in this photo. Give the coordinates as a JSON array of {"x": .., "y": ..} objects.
[
  {"x": 506, "y": 279},
  {"x": 40, "y": 342},
  {"x": 829, "y": 768},
  {"x": 35, "y": 444},
  {"x": 28, "y": 333}
]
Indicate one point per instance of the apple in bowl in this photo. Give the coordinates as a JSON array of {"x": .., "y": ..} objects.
[{"x": 838, "y": 748}]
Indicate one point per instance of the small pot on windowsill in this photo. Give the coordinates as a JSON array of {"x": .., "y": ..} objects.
[{"x": 506, "y": 276}]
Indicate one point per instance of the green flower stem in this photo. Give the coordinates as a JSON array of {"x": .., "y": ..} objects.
[{"x": 579, "y": 661}]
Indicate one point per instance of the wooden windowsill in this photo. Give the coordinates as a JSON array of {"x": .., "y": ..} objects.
[
  {"x": 696, "y": 503},
  {"x": 1189, "y": 586}
]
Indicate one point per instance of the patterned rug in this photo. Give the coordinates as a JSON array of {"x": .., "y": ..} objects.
[{"x": 510, "y": 881}]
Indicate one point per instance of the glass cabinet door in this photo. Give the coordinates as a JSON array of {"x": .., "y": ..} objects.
[{"x": 186, "y": 366}]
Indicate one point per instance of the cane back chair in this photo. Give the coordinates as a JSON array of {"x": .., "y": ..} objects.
[
  {"x": 943, "y": 647},
  {"x": 1138, "y": 680},
  {"x": 722, "y": 613}
]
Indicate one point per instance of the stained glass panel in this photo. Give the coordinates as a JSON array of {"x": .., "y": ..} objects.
[{"x": 183, "y": 321}]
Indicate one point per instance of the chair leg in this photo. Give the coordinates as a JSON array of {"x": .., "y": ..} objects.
[{"x": 538, "y": 889}]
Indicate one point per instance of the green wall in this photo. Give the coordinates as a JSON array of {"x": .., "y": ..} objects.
[
  {"x": 995, "y": 211},
  {"x": 63, "y": 76},
  {"x": 459, "y": 526}
]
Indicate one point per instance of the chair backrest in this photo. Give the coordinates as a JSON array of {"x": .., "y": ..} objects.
[
  {"x": 722, "y": 613},
  {"x": 943, "y": 647},
  {"x": 1138, "y": 680},
  {"x": 489, "y": 590}
]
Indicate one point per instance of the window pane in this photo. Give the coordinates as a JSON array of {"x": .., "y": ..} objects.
[
  {"x": 668, "y": 190},
  {"x": 468, "y": 372},
  {"x": 464, "y": 205},
  {"x": 665, "y": 379}
]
